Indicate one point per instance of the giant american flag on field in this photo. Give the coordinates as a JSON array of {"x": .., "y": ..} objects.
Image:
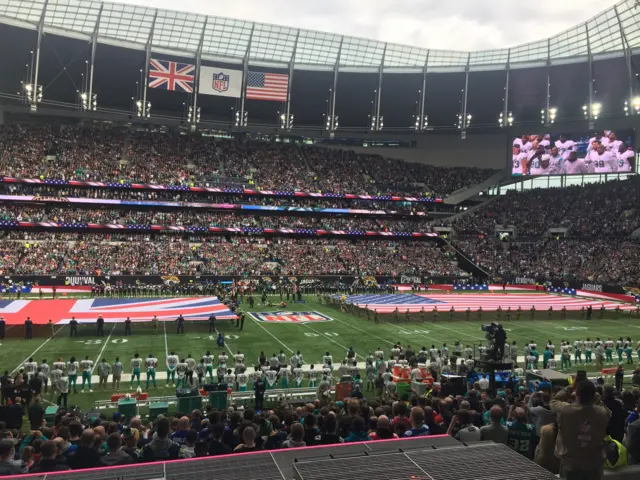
[
  {"x": 168, "y": 75},
  {"x": 488, "y": 301}
]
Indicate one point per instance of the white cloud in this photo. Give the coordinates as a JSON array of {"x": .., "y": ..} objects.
[{"x": 453, "y": 25}]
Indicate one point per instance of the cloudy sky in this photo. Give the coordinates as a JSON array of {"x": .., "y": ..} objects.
[{"x": 456, "y": 24}]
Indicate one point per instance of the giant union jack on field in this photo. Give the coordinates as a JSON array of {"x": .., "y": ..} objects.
[{"x": 113, "y": 310}]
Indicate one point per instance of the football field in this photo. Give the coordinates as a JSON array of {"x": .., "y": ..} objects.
[{"x": 313, "y": 328}]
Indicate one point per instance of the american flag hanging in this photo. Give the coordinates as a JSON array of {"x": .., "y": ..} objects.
[
  {"x": 267, "y": 86},
  {"x": 173, "y": 76}
]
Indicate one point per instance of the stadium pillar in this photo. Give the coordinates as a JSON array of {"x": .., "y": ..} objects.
[
  {"x": 627, "y": 53},
  {"x": 464, "y": 102},
  {"x": 547, "y": 113},
  {"x": 34, "y": 92},
  {"x": 379, "y": 96},
  {"x": 147, "y": 59},
  {"x": 94, "y": 46},
  {"x": 288, "y": 122},
  {"x": 245, "y": 72},
  {"x": 334, "y": 92},
  {"x": 195, "y": 117},
  {"x": 505, "y": 110},
  {"x": 423, "y": 96},
  {"x": 590, "y": 66}
]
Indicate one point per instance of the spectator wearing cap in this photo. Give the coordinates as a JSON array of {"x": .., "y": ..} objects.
[
  {"x": 329, "y": 435},
  {"x": 130, "y": 437},
  {"x": 49, "y": 459},
  {"x": 271, "y": 433},
  {"x": 9, "y": 466}
]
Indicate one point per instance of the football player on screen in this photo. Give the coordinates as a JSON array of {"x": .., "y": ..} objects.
[
  {"x": 565, "y": 146},
  {"x": 519, "y": 161},
  {"x": 602, "y": 161},
  {"x": 555, "y": 160},
  {"x": 626, "y": 158},
  {"x": 574, "y": 165},
  {"x": 541, "y": 166}
]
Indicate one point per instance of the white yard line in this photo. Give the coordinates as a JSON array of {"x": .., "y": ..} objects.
[
  {"x": 95, "y": 364},
  {"x": 166, "y": 345},
  {"x": 36, "y": 351},
  {"x": 331, "y": 339},
  {"x": 225, "y": 344},
  {"x": 270, "y": 334}
]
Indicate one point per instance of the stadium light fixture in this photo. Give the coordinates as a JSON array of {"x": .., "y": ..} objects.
[
  {"x": 632, "y": 107},
  {"x": 595, "y": 110},
  {"x": 547, "y": 117},
  {"x": 192, "y": 117}
]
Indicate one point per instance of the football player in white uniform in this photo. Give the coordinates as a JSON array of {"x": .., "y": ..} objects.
[
  {"x": 541, "y": 166},
  {"x": 626, "y": 157},
  {"x": 600, "y": 139},
  {"x": 602, "y": 161},
  {"x": 519, "y": 161},
  {"x": 555, "y": 162},
  {"x": 574, "y": 165},
  {"x": 565, "y": 146}
]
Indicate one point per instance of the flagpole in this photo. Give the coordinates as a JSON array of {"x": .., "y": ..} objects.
[
  {"x": 196, "y": 84},
  {"x": 290, "y": 80},
  {"x": 145, "y": 81},
  {"x": 245, "y": 72}
]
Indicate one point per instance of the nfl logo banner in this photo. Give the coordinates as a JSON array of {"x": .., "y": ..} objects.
[
  {"x": 290, "y": 317},
  {"x": 220, "y": 81}
]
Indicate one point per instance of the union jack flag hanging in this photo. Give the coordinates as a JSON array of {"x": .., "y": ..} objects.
[{"x": 171, "y": 75}]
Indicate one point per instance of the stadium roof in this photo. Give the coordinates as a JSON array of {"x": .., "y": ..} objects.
[{"x": 611, "y": 33}]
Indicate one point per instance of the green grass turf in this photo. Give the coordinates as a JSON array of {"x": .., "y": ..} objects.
[{"x": 313, "y": 340}]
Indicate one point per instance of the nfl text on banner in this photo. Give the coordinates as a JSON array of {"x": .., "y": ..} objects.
[{"x": 220, "y": 81}]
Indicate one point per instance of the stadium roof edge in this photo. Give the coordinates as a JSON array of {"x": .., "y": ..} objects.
[{"x": 614, "y": 32}]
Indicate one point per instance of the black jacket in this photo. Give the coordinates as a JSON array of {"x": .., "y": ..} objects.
[
  {"x": 49, "y": 465},
  {"x": 84, "y": 457}
]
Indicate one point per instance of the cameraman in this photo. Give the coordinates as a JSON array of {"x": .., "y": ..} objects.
[{"x": 500, "y": 338}]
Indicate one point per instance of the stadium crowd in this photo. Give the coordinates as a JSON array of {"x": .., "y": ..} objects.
[
  {"x": 37, "y": 253},
  {"x": 584, "y": 259},
  {"x": 160, "y": 157},
  {"x": 404, "y": 208},
  {"x": 25, "y": 213},
  {"x": 593, "y": 210},
  {"x": 541, "y": 425}
]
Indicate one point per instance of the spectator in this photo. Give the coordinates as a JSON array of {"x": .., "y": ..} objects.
[
  {"x": 28, "y": 457},
  {"x": 248, "y": 441},
  {"x": 36, "y": 414},
  {"x": 582, "y": 426},
  {"x": 130, "y": 437},
  {"x": 161, "y": 447},
  {"x": 540, "y": 413},
  {"x": 383, "y": 429},
  {"x": 49, "y": 459},
  {"x": 544, "y": 455},
  {"x": 495, "y": 431},
  {"x": 358, "y": 431},
  {"x": 188, "y": 449},
  {"x": 87, "y": 455},
  {"x": 115, "y": 453},
  {"x": 216, "y": 445},
  {"x": 463, "y": 429},
  {"x": 296, "y": 437},
  {"x": 180, "y": 435},
  {"x": 418, "y": 427}
]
